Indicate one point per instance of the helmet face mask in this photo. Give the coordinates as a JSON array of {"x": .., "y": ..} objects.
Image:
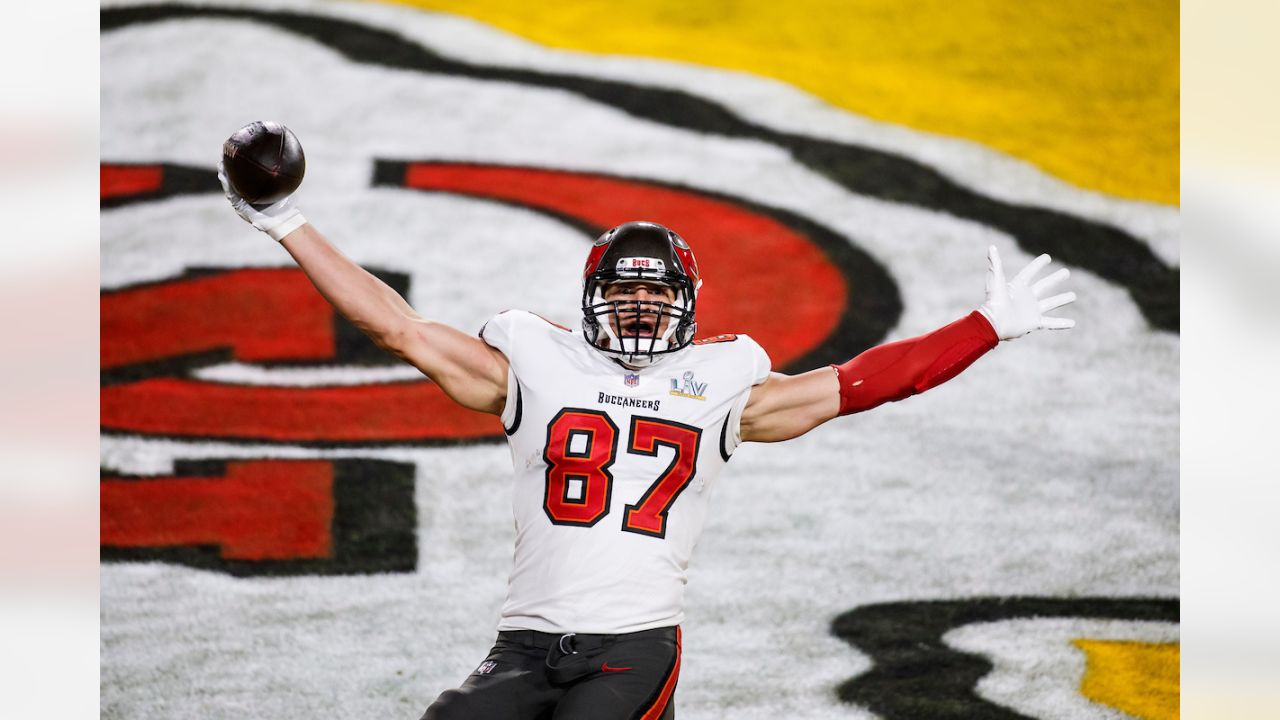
[{"x": 639, "y": 294}]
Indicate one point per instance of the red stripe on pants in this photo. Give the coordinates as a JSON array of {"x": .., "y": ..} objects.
[{"x": 655, "y": 711}]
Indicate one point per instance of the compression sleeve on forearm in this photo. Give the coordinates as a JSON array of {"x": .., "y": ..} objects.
[{"x": 898, "y": 370}]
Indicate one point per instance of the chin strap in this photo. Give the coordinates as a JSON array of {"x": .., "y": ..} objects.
[{"x": 898, "y": 370}]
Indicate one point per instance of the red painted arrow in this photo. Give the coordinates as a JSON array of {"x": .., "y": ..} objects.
[
  {"x": 124, "y": 180},
  {"x": 260, "y": 314},
  {"x": 259, "y": 510},
  {"x": 391, "y": 412},
  {"x": 256, "y": 314}
]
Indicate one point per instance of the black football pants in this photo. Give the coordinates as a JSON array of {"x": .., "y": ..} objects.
[{"x": 542, "y": 676}]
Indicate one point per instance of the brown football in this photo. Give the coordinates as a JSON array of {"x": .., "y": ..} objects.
[{"x": 264, "y": 162}]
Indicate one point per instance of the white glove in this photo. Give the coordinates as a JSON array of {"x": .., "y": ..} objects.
[
  {"x": 277, "y": 220},
  {"x": 1015, "y": 308}
]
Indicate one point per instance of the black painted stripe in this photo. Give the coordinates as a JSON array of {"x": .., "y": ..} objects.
[{"x": 916, "y": 676}]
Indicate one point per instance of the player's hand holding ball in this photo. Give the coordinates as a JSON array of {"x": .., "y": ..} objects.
[
  {"x": 262, "y": 164},
  {"x": 1017, "y": 307}
]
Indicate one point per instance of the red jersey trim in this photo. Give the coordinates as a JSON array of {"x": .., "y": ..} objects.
[
  {"x": 729, "y": 337},
  {"x": 551, "y": 323}
]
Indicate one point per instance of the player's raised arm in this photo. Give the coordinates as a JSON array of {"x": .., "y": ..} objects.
[
  {"x": 469, "y": 371},
  {"x": 785, "y": 406}
]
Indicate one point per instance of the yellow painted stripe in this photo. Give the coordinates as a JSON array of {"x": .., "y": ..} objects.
[
  {"x": 1085, "y": 89},
  {"x": 1141, "y": 679}
]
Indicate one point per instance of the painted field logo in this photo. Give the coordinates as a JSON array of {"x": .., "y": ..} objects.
[{"x": 235, "y": 515}]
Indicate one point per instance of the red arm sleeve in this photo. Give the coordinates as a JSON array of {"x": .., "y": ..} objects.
[{"x": 898, "y": 370}]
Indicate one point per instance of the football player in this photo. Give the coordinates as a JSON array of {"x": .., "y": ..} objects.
[{"x": 618, "y": 432}]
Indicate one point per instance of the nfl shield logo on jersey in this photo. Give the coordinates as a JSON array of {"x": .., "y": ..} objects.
[
  {"x": 486, "y": 667},
  {"x": 631, "y": 379}
]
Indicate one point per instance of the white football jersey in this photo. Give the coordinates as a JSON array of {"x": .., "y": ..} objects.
[{"x": 613, "y": 471}]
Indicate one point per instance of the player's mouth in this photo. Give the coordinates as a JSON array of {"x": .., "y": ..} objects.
[{"x": 638, "y": 326}]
